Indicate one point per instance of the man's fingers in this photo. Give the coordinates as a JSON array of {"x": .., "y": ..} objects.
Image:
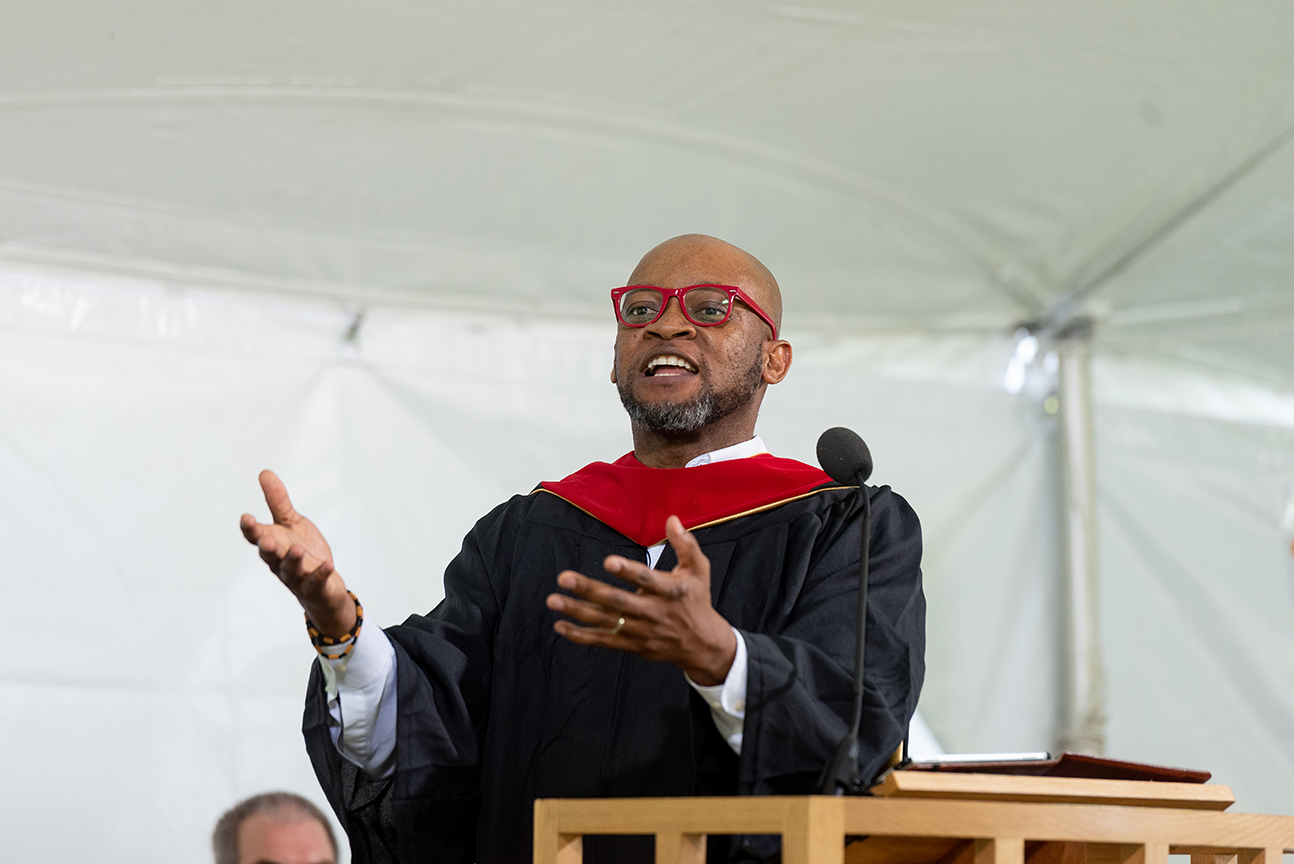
[
  {"x": 302, "y": 573},
  {"x": 247, "y": 524},
  {"x": 271, "y": 551},
  {"x": 289, "y": 568},
  {"x": 271, "y": 542},
  {"x": 656, "y": 582},
  {"x": 600, "y": 593},
  {"x": 631, "y": 571},
  {"x": 315, "y": 579},
  {"x": 589, "y": 635},
  {"x": 276, "y": 496},
  {"x": 686, "y": 549},
  {"x": 586, "y": 613},
  {"x": 258, "y": 532}
]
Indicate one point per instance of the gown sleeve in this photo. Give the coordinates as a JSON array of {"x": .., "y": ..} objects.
[
  {"x": 427, "y": 810},
  {"x": 800, "y": 670},
  {"x": 361, "y": 702}
]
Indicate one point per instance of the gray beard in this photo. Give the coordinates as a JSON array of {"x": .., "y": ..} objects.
[{"x": 681, "y": 418}]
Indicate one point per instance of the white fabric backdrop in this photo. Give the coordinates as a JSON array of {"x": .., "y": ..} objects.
[
  {"x": 156, "y": 669},
  {"x": 920, "y": 168},
  {"x": 1197, "y": 598}
]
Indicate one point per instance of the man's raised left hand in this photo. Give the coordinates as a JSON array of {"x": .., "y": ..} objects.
[{"x": 669, "y": 618}]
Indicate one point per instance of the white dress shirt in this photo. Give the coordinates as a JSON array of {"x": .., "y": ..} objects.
[{"x": 361, "y": 685}]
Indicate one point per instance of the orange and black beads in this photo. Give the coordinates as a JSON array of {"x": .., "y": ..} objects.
[{"x": 337, "y": 647}]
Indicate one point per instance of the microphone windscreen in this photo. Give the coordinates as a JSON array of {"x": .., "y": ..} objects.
[{"x": 843, "y": 455}]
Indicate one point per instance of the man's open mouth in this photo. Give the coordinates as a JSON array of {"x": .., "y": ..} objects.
[{"x": 669, "y": 364}]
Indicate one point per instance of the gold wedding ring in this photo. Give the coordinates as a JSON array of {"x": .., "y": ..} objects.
[{"x": 620, "y": 625}]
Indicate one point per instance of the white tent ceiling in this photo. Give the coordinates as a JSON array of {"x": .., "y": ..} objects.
[
  {"x": 204, "y": 194},
  {"x": 920, "y": 165}
]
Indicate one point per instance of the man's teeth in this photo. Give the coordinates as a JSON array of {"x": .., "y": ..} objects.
[{"x": 670, "y": 361}]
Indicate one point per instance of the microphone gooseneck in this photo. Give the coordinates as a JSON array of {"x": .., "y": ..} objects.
[{"x": 846, "y": 459}]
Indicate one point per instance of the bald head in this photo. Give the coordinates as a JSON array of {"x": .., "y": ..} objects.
[
  {"x": 692, "y": 388},
  {"x": 692, "y": 259}
]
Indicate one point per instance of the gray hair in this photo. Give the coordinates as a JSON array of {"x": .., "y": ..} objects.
[
  {"x": 708, "y": 406},
  {"x": 224, "y": 840}
]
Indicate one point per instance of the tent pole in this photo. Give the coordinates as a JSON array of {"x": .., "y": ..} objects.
[{"x": 1082, "y": 706}]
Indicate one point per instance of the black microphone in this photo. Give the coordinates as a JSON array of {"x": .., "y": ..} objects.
[
  {"x": 843, "y": 455},
  {"x": 846, "y": 459}
]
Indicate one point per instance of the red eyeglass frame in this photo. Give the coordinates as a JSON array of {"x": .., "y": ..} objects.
[{"x": 668, "y": 294}]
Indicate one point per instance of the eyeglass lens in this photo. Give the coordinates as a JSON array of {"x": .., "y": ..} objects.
[{"x": 703, "y": 305}]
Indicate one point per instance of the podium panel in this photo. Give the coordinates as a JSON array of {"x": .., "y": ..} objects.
[{"x": 1010, "y": 823}]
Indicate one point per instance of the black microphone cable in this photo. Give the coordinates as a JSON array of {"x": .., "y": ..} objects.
[{"x": 846, "y": 459}]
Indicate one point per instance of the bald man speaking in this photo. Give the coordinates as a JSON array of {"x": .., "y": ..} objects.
[{"x": 678, "y": 622}]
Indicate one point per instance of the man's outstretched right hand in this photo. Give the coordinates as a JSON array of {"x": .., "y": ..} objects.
[{"x": 298, "y": 554}]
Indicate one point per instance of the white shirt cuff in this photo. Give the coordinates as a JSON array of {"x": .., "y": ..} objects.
[
  {"x": 727, "y": 701},
  {"x": 361, "y": 702}
]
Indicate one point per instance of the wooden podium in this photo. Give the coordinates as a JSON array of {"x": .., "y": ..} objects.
[{"x": 930, "y": 818}]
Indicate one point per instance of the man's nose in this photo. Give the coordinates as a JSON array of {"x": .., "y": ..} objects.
[{"x": 672, "y": 324}]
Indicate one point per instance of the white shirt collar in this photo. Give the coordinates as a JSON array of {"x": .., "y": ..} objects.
[{"x": 745, "y": 449}]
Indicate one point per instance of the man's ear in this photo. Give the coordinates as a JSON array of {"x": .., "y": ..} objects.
[{"x": 777, "y": 361}]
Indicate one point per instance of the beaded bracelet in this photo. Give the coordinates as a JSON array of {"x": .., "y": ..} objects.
[{"x": 326, "y": 645}]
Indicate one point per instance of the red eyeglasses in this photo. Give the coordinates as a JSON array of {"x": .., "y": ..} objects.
[{"x": 703, "y": 305}]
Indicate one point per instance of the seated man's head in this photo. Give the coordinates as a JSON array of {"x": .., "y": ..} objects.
[
  {"x": 677, "y": 373},
  {"x": 274, "y": 828}
]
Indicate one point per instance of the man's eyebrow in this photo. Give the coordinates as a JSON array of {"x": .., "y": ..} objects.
[{"x": 268, "y": 861}]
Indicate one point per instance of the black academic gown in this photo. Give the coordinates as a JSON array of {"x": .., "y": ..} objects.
[{"x": 495, "y": 709}]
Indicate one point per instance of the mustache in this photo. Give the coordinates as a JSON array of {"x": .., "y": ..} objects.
[{"x": 707, "y": 407}]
